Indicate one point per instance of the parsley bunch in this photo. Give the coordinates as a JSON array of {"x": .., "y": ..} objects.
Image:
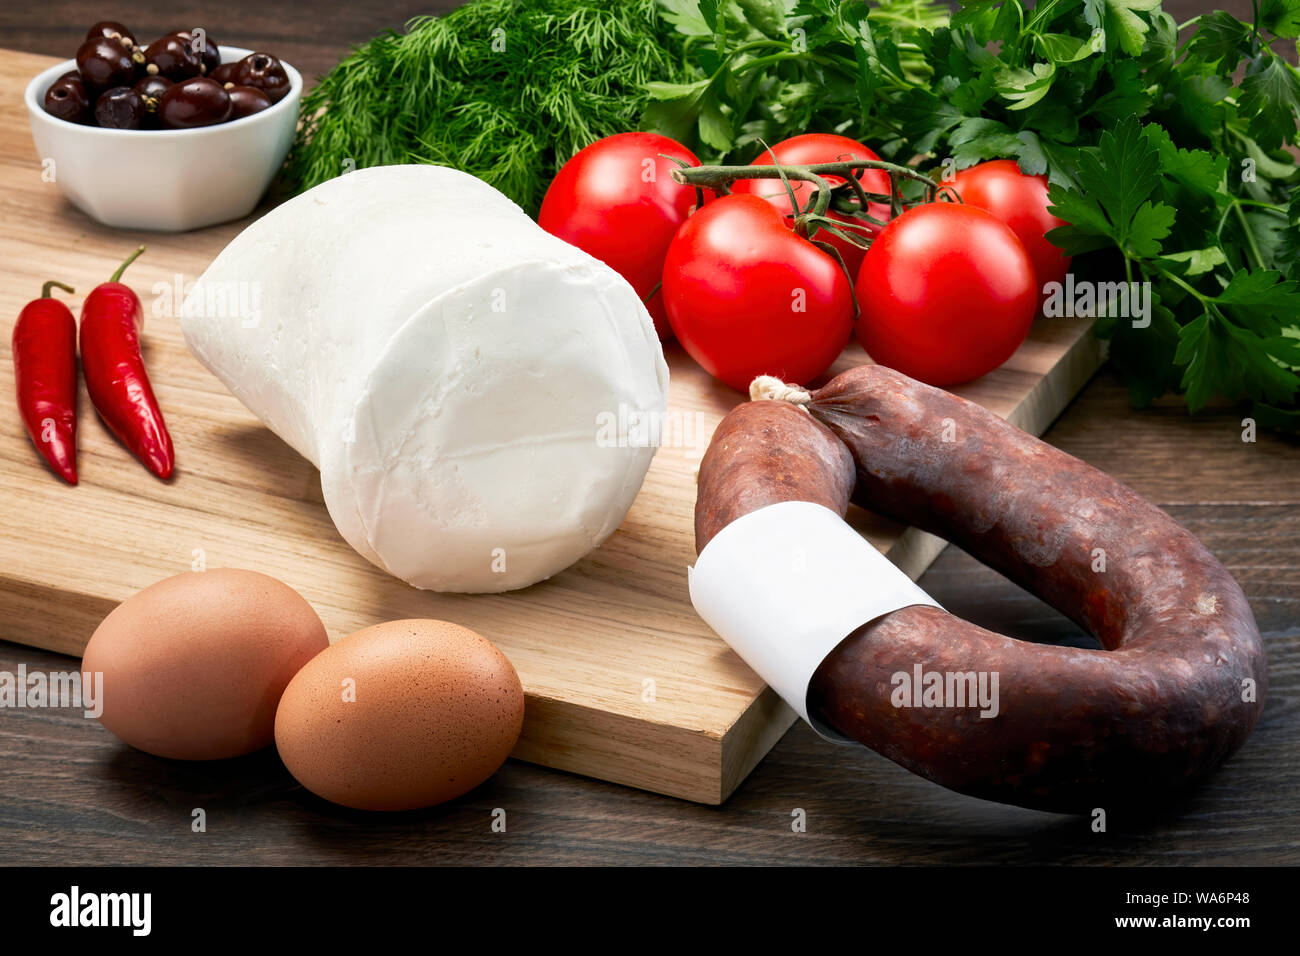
[{"x": 1169, "y": 146}]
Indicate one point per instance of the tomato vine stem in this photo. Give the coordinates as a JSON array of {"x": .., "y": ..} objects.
[
  {"x": 814, "y": 215},
  {"x": 720, "y": 178}
]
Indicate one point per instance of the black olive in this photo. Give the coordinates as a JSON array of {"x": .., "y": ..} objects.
[
  {"x": 105, "y": 63},
  {"x": 114, "y": 31},
  {"x": 209, "y": 51},
  {"x": 120, "y": 108},
  {"x": 171, "y": 56},
  {"x": 151, "y": 89},
  {"x": 198, "y": 101},
  {"x": 266, "y": 73},
  {"x": 247, "y": 100},
  {"x": 66, "y": 98},
  {"x": 225, "y": 73}
]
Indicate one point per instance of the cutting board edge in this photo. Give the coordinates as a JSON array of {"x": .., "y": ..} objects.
[{"x": 659, "y": 757}]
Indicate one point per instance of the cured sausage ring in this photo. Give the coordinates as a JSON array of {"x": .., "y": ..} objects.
[{"x": 1181, "y": 678}]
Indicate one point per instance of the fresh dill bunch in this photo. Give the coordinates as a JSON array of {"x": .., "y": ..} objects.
[{"x": 507, "y": 90}]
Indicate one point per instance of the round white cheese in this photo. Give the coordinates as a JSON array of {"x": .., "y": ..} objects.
[{"x": 450, "y": 367}]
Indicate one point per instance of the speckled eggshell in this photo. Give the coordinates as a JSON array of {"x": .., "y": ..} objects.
[
  {"x": 193, "y": 666},
  {"x": 436, "y": 710}
]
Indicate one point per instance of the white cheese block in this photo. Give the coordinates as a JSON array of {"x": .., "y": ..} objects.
[{"x": 449, "y": 366}]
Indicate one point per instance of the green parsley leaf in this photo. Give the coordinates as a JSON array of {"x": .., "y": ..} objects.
[
  {"x": 1264, "y": 291},
  {"x": 1063, "y": 48},
  {"x": 1120, "y": 176},
  {"x": 768, "y": 16},
  {"x": 1024, "y": 88},
  {"x": 1221, "y": 38},
  {"x": 924, "y": 117},
  {"x": 1270, "y": 95},
  {"x": 978, "y": 139},
  {"x": 1120, "y": 20},
  {"x": 1193, "y": 262},
  {"x": 1194, "y": 168},
  {"x": 1033, "y": 160},
  {"x": 1203, "y": 352},
  {"x": 1280, "y": 17},
  {"x": 1126, "y": 97},
  {"x": 1087, "y": 227},
  {"x": 1149, "y": 226},
  {"x": 686, "y": 16},
  {"x": 973, "y": 12}
]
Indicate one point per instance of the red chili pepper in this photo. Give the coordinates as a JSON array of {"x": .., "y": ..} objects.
[
  {"x": 45, "y": 369},
  {"x": 111, "y": 320}
]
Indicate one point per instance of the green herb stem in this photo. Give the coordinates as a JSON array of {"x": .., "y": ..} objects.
[{"x": 1252, "y": 247}]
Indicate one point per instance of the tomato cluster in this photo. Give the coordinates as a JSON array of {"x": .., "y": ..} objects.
[{"x": 945, "y": 292}]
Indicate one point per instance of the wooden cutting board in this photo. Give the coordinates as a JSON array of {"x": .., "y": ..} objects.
[{"x": 624, "y": 681}]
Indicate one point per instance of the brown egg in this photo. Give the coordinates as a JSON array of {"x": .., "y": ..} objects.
[
  {"x": 400, "y": 715},
  {"x": 193, "y": 666}
]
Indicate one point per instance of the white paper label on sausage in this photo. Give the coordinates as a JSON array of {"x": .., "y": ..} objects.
[{"x": 785, "y": 584}]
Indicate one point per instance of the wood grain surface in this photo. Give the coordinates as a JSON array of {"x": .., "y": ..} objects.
[{"x": 70, "y": 794}]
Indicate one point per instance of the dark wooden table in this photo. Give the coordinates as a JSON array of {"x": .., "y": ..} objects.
[{"x": 71, "y": 794}]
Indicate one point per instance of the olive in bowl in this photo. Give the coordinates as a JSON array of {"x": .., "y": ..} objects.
[
  {"x": 169, "y": 180},
  {"x": 67, "y": 99},
  {"x": 112, "y": 30},
  {"x": 225, "y": 73},
  {"x": 264, "y": 72},
  {"x": 151, "y": 89},
  {"x": 247, "y": 100},
  {"x": 198, "y": 101},
  {"x": 105, "y": 63},
  {"x": 173, "y": 56},
  {"x": 120, "y": 108},
  {"x": 209, "y": 51}
]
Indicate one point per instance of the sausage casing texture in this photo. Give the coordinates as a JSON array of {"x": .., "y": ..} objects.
[
  {"x": 1181, "y": 681},
  {"x": 764, "y": 453}
]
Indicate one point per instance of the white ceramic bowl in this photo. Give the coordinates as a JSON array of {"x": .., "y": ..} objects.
[{"x": 166, "y": 180}]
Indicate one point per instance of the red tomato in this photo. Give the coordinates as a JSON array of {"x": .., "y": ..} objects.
[
  {"x": 747, "y": 296},
  {"x": 946, "y": 293},
  {"x": 617, "y": 201},
  {"x": 819, "y": 148},
  {"x": 1021, "y": 202}
]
